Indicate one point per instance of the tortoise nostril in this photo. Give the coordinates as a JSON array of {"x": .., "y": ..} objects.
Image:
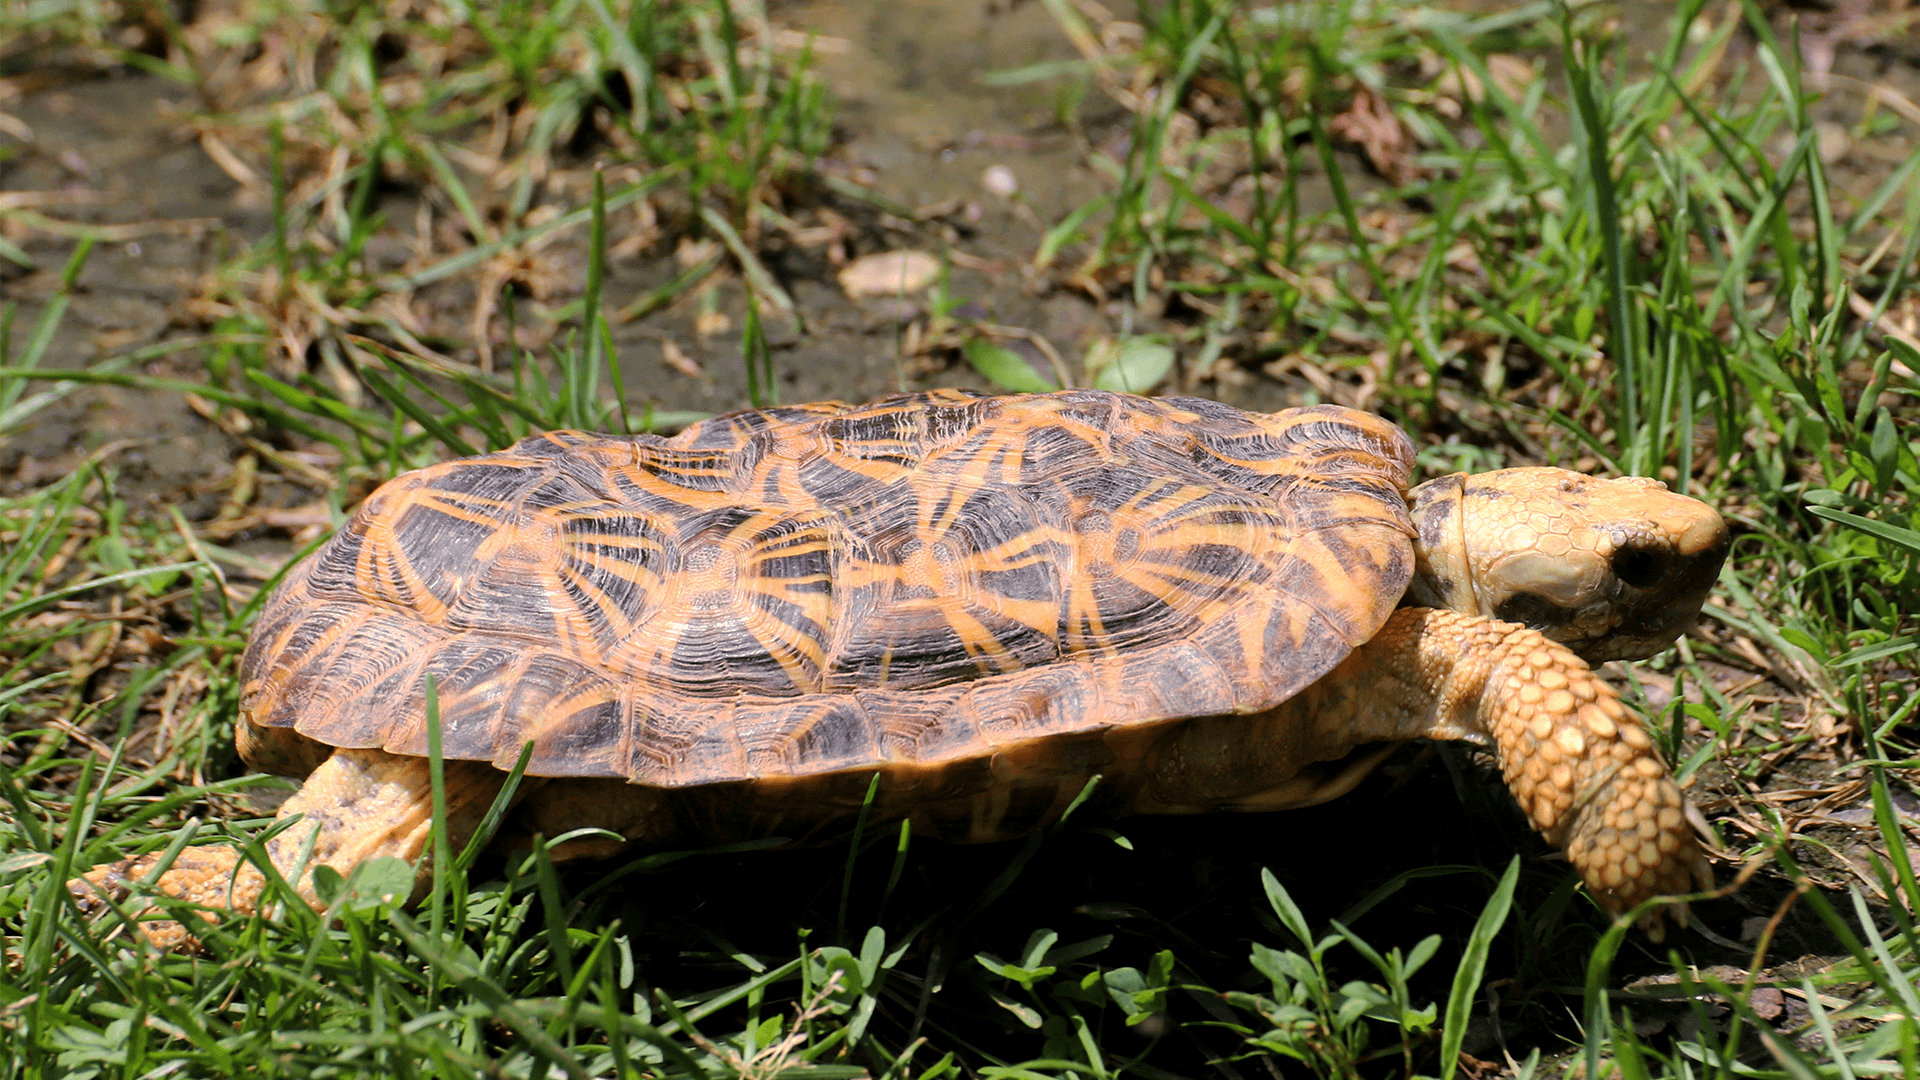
[{"x": 1639, "y": 567}]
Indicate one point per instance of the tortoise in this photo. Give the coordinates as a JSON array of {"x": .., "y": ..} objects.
[{"x": 983, "y": 601}]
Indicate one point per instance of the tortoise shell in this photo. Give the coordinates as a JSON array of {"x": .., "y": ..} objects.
[{"x": 800, "y": 591}]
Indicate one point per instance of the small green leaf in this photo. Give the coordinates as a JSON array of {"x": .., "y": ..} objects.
[
  {"x": 1027, "y": 1015},
  {"x": 379, "y": 882},
  {"x": 327, "y": 884},
  {"x": 871, "y": 951},
  {"x": 1038, "y": 944},
  {"x": 1066, "y": 954},
  {"x": 1884, "y": 451},
  {"x": 1284, "y": 907},
  {"x": 1139, "y": 366},
  {"x": 1804, "y": 640},
  {"x": 1005, "y": 368}
]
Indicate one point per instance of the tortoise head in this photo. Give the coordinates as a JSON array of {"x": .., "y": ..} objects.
[{"x": 1613, "y": 569}]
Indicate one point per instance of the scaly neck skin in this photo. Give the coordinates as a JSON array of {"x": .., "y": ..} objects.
[
  {"x": 1409, "y": 682},
  {"x": 1443, "y": 573}
]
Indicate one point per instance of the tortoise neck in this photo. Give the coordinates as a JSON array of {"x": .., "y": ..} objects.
[{"x": 1443, "y": 569}]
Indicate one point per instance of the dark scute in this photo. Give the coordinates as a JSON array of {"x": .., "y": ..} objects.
[
  {"x": 990, "y": 517},
  {"x": 482, "y": 479},
  {"x": 639, "y": 500},
  {"x": 1025, "y": 706},
  {"x": 885, "y": 436},
  {"x": 717, "y": 655},
  {"x": 1332, "y": 441},
  {"x": 834, "y": 733},
  {"x": 1231, "y": 569},
  {"x": 797, "y": 566},
  {"x": 1130, "y": 617},
  {"x": 303, "y": 624},
  {"x": 729, "y": 432},
  {"x": 332, "y": 571},
  {"x": 797, "y": 542},
  {"x": 568, "y": 491},
  {"x": 903, "y": 648},
  {"x": 547, "y": 678},
  {"x": 679, "y": 741},
  {"x": 1214, "y": 414},
  {"x": 368, "y": 718},
  {"x": 711, "y": 526},
  {"x": 1025, "y": 646},
  {"x": 1038, "y": 580},
  {"x": 702, "y": 470},
  {"x": 791, "y": 614},
  {"x": 1054, "y": 454},
  {"x": 1310, "y": 511},
  {"x": 440, "y": 548},
  {"x": 834, "y": 486},
  {"x": 789, "y": 415},
  {"x": 561, "y": 443},
  {"x": 949, "y": 424},
  {"x": 539, "y": 447},
  {"x": 383, "y": 644},
  {"x": 1233, "y": 458},
  {"x": 1100, "y": 408},
  {"x": 572, "y": 714},
  {"x": 319, "y": 696},
  {"x": 1221, "y": 642},
  {"x": 472, "y": 675},
  {"x": 472, "y": 662},
  {"x": 918, "y": 725},
  {"x": 877, "y": 525},
  {"x": 470, "y": 679},
  {"x": 590, "y": 472},
  {"x": 1174, "y": 681},
  {"x": 585, "y": 742},
  {"x": 602, "y": 552},
  {"x": 510, "y": 599}
]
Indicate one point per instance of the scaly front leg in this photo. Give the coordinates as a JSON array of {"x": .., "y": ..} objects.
[{"x": 1579, "y": 763}]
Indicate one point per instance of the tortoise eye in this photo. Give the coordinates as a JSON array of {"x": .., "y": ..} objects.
[{"x": 1639, "y": 567}]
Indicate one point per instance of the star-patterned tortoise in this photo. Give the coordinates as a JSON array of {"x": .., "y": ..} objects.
[{"x": 985, "y": 601}]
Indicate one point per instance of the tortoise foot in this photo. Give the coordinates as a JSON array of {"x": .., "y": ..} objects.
[{"x": 212, "y": 877}]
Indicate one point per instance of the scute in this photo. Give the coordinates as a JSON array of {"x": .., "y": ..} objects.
[{"x": 912, "y": 584}]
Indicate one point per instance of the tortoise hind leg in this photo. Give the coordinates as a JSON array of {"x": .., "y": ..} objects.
[{"x": 358, "y": 805}]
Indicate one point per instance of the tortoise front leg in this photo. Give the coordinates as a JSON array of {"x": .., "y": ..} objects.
[
  {"x": 1579, "y": 763},
  {"x": 358, "y": 805}
]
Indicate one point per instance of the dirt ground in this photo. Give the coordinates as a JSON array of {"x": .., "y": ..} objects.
[{"x": 114, "y": 152}]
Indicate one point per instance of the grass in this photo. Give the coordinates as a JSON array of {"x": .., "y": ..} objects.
[{"x": 1535, "y": 245}]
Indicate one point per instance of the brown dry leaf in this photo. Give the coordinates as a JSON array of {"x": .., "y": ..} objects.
[
  {"x": 1511, "y": 74},
  {"x": 889, "y": 273},
  {"x": 1370, "y": 124},
  {"x": 674, "y": 357}
]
